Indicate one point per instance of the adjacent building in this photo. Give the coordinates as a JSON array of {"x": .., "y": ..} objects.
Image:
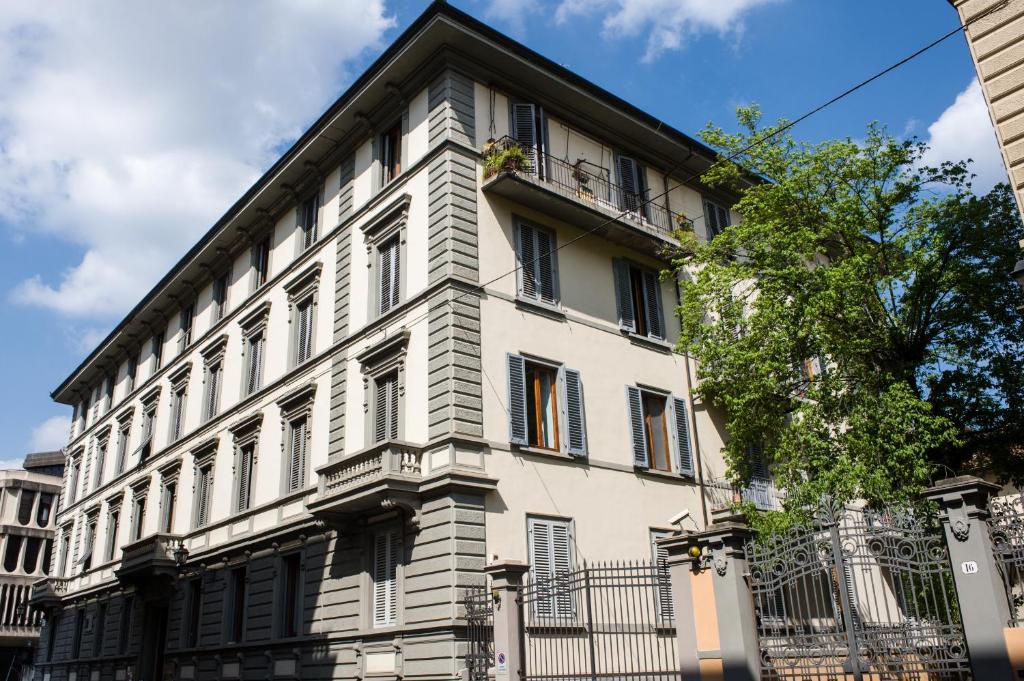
[
  {"x": 995, "y": 36},
  {"x": 28, "y": 509},
  {"x": 433, "y": 333}
]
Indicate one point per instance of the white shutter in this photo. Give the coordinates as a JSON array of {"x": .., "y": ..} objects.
[
  {"x": 634, "y": 407},
  {"x": 517, "y": 431},
  {"x": 386, "y": 552},
  {"x": 652, "y": 304},
  {"x": 624, "y": 295},
  {"x": 684, "y": 451},
  {"x": 574, "y": 413}
]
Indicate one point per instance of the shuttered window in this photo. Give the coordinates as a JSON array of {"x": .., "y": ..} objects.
[
  {"x": 235, "y": 629},
  {"x": 158, "y": 351},
  {"x": 659, "y": 557},
  {"x": 243, "y": 474},
  {"x": 220, "y": 297},
  {"x": 194, "y": 608},
  {"x": 138, "y": 517},
  {"x": 204, "y": 488},
  {"x": 538, "y": 265},
  {"x": 546, "y": 407},
  {"x": 253, "y": 363},
  {"x": 260, "y": 258},
  {"x": 101, "y": 462},
  {"x": 303, "y": 330},
  {"x": 716, "y": 218},
  {"x": 638, "y": 300},
  {"x": 297, "y": 445},
  {"x": 632, "y": 186},
  {"x": 186, "y": 322},
  {"x": 122, "y": 448},
  {"x": 132, "y": 373},
  {"x": 659, "y": 430},
  {"x": 307, "y": 218},
  {"x": 386, "y": 554},
  {"x": 167, "y": 503},
  {"x": 213, "y": 381},
  {"x": 389, "y": 268},
  {"x": 113, "y": 520},
  {"x": 391, "y": 153},
  {"x": 551, "y": 562},
  {"x": 385, "y": 416},
  {"x": 291, "y": 595},
  {"x": 177, "y": 413},
  {"x": 525, "y": 131}
]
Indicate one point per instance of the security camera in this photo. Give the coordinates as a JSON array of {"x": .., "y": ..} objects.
[{"x": 678, "y": 518}]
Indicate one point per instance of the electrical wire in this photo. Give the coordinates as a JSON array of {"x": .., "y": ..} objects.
[{"x": 480, "y": 288}]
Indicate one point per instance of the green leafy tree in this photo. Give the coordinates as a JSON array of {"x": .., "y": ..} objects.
[{"x": 859, "y": 322}]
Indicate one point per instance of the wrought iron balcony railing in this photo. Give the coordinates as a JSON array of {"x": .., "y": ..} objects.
[
  {"x": 762, "y": 493},
  {"x": 582, "y": 182}
]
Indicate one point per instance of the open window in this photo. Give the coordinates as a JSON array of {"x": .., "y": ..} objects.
[
  {"x": 659, "y": 431},
  {"x": 716, "y": 218},
  {"x": 528, "y": 128},
  {"x": 638, "y": 299},
  {"x": 391, "y": 153},
  {"x": 546, "y": 408}
]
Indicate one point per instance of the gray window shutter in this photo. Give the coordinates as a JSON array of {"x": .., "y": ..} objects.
[
  {"x": 251, "y": 370},
  {"x": 517, "y": 432},
  {"x": 541, "y": 564},
  {"x": 636, "y": 426},
  {"x": 244, "y": 477},
  {"x": 684, "y": 451},
  {"x": 297, "y": 461},
  {"x": 389, "y": 270},
  {"x": 561, "y": 552},
  {"x": 652, "y": 303},
  {"x": 623, "y": 295},
  {"x": 630, "y": 184},
  {"x": 396, "y": 270},
  {"x": 716, "y": 218},
  {"x": 659, "y": 555},
  {"x": 574, "y": 412},
  {"x": 545, "y": 265},
  {"x": 524, "y": 130},
  {"x": 759, "y": 471},
  {"x": 304, "y": 332},
  {"x": 385, "y": 578},
  {"x": 212, "y": 391},
  {"x": 527, "y": 264},
  {"x": 393, "y": 407}
]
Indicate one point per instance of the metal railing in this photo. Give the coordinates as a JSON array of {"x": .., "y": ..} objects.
[
  {"x": 585, "y": 183},
  {"x": 377, "y": 463},
  {"x": 1006, "y": 530},
  {"x": 479, "y": 632},
  {"x": 762, "y": 493},
  {"x": 603, "y": 621}
]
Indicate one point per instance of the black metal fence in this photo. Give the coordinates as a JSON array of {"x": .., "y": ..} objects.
[
  {"x": 1006, "y": 530},
  {"x": 479, "y": 632},
  {"x": 857, "y": 595},
  {"x": 602, "y": 621},
  {"x": 590, "y": 184}
]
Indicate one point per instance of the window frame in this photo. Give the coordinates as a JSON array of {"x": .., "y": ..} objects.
[
  {"x": 395, "y": 559},
  {"x": 570, "y": 428},
  {"x": 677, "y": 425},
  {"x": 220, "y": 290},
  {"x": 285, "y": 626},
  {"x": 377, "y": 362},
  {"x": 186, "y": 326},
  {"x": 157, "y": 350},
  {"x": 193, "y": 616},
  {"x": 236, "y": 600},
  {"x": 307, "y": 235},
  {"x": 296, "y": 406},
  {"x": 259, "y": 262},
  {"x": 391, "y": 223},
  {"x": 113, "y": 529},
  {"x": 383, "y": 175},
  {"x": 124, "y": 627},
  {"x": 213, "y": 376},
  {"x": 303, "y": 289},
  {"x": 569, "y": 525},
  {"x": 254, "y": 325},
  {"x": 623, "y": 272},
  {"x": 138, "y": 520},
  {"x": 522, "y": 229},
  {"x": 713, "y": 228}
]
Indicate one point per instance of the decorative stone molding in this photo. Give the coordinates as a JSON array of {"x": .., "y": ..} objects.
[
  {"x": 304, "y": 282},
  {"x": 255, "y": 320},
  {"x": 214, "y": 351}
]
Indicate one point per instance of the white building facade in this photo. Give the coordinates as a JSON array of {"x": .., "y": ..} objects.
[{"x": 385, "y": 365}]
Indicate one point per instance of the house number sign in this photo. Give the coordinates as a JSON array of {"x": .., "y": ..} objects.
[{"x": 969, "y": 567}]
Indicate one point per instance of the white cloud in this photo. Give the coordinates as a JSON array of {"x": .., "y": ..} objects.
[
  {"x": 50, "y": 435},
  {"x": 964, "y": 131},
  {"x": 127, "y": 129},
  {"x": 665, "y": 23}
]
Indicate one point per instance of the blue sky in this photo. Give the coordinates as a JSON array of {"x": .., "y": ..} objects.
[{"x": 126, "y": 130}]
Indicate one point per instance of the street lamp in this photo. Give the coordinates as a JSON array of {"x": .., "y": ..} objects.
[{"x": 180, "y": 556}]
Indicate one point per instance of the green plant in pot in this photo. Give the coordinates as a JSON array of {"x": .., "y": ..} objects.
[{"x": 511, "y": 159}]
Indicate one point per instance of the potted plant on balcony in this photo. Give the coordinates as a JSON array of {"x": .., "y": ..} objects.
[
  {"x": 511, "y": 158},
  {"x": 583, "y": 190}
]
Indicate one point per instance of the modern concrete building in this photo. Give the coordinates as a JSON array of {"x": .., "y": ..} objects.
[
  {"x": 995, "y": 36},
  {"x": 404, "y": 351},
  {"x": 28, "y": 509}
]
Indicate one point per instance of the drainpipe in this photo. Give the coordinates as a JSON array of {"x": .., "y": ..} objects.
[{"x": 698, "y": 460}]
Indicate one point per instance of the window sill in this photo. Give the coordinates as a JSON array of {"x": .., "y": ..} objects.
[
  {"x": 552, "y": 311},
  {"x": 668, "y": 475},
  {"x": 549, "y": 453},
  {"x": 651, "y": 343}
]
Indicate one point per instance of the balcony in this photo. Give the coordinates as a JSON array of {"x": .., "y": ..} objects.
[
  {"x": 149, "y": 559},
  {"x": 48, "y": 592},
  {"x": 394, "y": 474},
  {"x": 582, "y": 194},
  {"x": 722, "y": 494},
  {"x": 368, "y": 479}
]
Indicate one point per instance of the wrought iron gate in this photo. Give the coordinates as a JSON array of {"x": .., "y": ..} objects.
[
  {"x": 479, "y": 632},
  {"x": 605, "y": 621},
  {"x": 857, "y": 594},
  {"x": 1006, "y": 529}
]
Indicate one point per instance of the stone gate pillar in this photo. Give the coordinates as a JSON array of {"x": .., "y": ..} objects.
[
  {"x": 506, "y": 578},
  {"x": 715, "y": 625},
  {"x": 984, "y": 609}
]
